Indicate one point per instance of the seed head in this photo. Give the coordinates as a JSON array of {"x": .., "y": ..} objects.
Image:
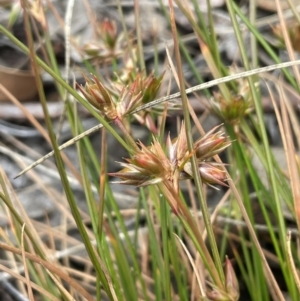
[
  {"x": 130, "y": 98},
  {"x": 239, "y": 105},
  {"x": 121, "y": 100},
  {"x": 211, "y": 144},
  {"x": 231, "y": 111},
  {"x": 154, "y": 164},
  {"x": 108, "y": 32},
  {"x": 293, "y": 30},
  {"x": 212, "y": 173},
  {"x": 148, "y": 166},
  {"x": 97, "y": 95},
  {"x": 140, "y": 90}
]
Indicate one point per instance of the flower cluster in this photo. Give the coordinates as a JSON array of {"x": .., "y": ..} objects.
[
  {"x": 231, "y": 111},
  {"x": 109, "y": 42},
  {"x": 120, "y": 100},
  {"x": 293, "y": 30},
  {"x": 155, "y": 164},
  {"x": 108, "y": 32},
  {"x": 239, "y": 105}
]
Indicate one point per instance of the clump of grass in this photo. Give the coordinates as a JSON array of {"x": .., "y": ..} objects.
[{"x": 170, "y": 258}]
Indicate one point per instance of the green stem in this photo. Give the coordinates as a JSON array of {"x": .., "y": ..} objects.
[
  {"x": 139, "y": 36},
  {"x": 118, "y": 122},
  {"x": 60, "y": 166},
  {"x": 164, "y": 231},
  {"x": 187, "y": 220},
  {"x": 197, "y": 178}
]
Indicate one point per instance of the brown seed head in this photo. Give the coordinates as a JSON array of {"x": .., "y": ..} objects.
[
  {"x": 96, "y": 94},
  {"x": 211, "y": 144},
  {"x": 151, "y": 165}
]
